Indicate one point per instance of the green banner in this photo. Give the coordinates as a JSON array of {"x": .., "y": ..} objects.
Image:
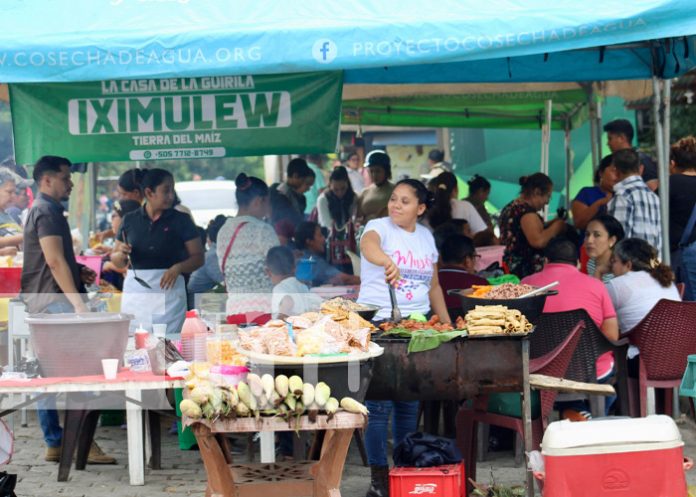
[{"x": 177, "y": 118}]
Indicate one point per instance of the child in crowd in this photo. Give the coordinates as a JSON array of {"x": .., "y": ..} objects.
[
  {"x": 290, "y": 297},
  {"x": 457, "y": 267}
]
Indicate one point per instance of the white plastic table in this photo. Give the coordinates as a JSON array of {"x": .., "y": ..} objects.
[{"x": 132, "y": 384}]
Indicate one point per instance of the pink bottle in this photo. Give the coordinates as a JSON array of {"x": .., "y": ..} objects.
[{"x": 194, "y": 336}]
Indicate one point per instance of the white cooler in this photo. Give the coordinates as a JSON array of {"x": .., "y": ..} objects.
[{"x": 614, "y": 457}]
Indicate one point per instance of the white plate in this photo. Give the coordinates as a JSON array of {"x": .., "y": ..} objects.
[{"x": 374, "y": 351}]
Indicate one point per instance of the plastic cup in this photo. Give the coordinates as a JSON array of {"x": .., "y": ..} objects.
[
  {"x": 141, "y": 338},
  {"x": 159, "y": 330},
  {"x": 110, "y": 368}
]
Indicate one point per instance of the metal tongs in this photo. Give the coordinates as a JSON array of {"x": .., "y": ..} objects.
[
  {"x": 130, "y": 265},
  {"x": 396, "y": 312},
  {"x": 537, "y": 291}
]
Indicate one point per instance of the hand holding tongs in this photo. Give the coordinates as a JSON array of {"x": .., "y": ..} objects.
[{"x": 396, "y": 312}]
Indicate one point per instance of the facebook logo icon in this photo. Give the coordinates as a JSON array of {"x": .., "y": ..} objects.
[{"x": 324, "y": 51}]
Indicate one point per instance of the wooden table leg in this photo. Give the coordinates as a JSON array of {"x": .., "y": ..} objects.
[
  {"x": 220, "y": 480},
  {"x": 329, "y": 470}
]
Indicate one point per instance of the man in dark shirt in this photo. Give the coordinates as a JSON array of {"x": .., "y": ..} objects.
[
  {"x": 287, "y": 198},
  {"x": 619, "y": 137},
  {"x": 51, "y": 277}
]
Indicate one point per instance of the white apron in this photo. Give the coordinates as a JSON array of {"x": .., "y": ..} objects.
[{"x": 154, "y": 306}]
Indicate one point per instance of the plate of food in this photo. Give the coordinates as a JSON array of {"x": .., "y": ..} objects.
[
  {"x": 341, "y": 305},
  {"x": 485, "y": 321},
  {"x": 508, "y": 294}
]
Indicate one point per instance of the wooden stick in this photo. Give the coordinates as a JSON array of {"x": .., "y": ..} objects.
[{"x": 542, "y": 382}]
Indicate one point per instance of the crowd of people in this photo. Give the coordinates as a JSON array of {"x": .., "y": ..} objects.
[{"x": 417, "y": 235}]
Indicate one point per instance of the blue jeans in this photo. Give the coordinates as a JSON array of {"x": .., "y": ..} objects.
[
  {"x": 405, "y": 422},
  {"x": 46, "y": 407},
  {"x": 689, "y": 271}
]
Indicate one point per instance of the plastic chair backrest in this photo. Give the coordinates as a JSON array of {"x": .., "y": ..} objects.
[
  {"x": 354, "y": 261},
  {"x": 553, "y": 327},
  {"x": 681, "y": 288},
  {"x": 555, "y": 364},
  {"x": 666, "y": 337}
]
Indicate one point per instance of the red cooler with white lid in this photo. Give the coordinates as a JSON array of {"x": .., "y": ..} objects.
[{"x": 614, "y": 457}]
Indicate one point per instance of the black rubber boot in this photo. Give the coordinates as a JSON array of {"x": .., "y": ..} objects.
[{"x": 379, "y": 482}]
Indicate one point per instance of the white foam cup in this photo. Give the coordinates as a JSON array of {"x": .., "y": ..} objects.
[{"x": 110, "y": 368}]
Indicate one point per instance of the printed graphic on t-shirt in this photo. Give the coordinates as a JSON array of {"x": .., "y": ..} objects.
[{"x": 414, "y": 271}]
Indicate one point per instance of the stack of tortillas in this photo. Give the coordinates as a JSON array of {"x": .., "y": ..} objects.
[{"x": 492, "y": 319}]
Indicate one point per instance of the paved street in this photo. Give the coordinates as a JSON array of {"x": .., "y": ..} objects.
[{"x": 183, "y": 472}]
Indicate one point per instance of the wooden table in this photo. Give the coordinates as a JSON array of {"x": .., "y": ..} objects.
[
  {"x": 132, "y": 384},
  {"x": 298, "y": 478}
]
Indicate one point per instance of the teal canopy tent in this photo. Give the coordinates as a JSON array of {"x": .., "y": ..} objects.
[
  {"x": 388, "y": 42},
  {"x": 405, "y": 41}
]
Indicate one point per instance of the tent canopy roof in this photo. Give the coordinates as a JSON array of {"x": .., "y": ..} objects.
[
  {"x": 404, "y": 41},
  {"x": 517, "y": 110}
]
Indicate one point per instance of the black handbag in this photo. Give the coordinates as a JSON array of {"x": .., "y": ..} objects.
[{"x": 422, "y": 450}]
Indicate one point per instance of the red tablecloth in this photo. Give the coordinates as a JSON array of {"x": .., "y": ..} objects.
[{"x": 121, "y": 377}]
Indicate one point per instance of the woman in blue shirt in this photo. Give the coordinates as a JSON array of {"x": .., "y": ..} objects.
[{"x": 593, "y": 200}]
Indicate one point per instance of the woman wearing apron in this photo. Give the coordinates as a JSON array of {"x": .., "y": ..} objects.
[{"x": 161, "y": 243}]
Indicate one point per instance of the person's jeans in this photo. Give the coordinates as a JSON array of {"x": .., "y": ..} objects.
[
  {"x": 405, "y": 422},
  {"x": 46, "y": 406},
  {"x": 689, "y": 271}
]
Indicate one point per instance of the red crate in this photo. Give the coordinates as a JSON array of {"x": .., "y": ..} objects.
[
  {"x": 10, "y": 281},
  {"x": 437, "y": 481}
]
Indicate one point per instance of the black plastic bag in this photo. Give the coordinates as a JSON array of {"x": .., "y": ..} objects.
[
  {"x": 422, "y": 450},
  {"x": 7, "y": 484}
]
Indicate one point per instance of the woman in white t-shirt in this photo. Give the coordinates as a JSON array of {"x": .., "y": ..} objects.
[
  {"x": 397, "y": 250},
  {"x": 640, "y": 281},
  {"x": 447, "y": 206}
]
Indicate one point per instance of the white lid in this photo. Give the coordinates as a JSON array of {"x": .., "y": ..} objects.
[{"x": 611, "y": 432}]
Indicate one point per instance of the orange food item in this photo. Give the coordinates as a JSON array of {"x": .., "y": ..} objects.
[{"x": 480, "y": 290}]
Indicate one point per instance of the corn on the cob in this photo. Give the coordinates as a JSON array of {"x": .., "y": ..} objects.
[
  {"x": 281, "y": 385},
  {"x": 295, "y": 384},
  {"x": 209, "y": 411},
  {"x": 275, "y": 399},
  {"x": 331, "y": 407},
  {"x": 291, "y": 402},
  {"x": 200, "y": 394},
  {"x": 308, "y": 394},
  {"x": 245, "y": 395},
  {"x": 242, "y": 410},
  {"x": 232, "y": 397},
  {"x": 190, "y": 409},
  {"x": 322, "y": 392},
  {"x": 255, "y": 384},
  {"x": 352, "y": 405},
  {"x": 268, "y": 385}
]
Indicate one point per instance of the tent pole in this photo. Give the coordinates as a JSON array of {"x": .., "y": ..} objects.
[
  {"x": 593, "y": 129},
  {"x": 598, "y": 129},
  {"x": 568, "y": 164},
  {"x": 546, "y": 144},
  {"x": 661, "y": 167}
]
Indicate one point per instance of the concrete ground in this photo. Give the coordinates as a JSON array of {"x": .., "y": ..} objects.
[{"x": 183, "y": 473}]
